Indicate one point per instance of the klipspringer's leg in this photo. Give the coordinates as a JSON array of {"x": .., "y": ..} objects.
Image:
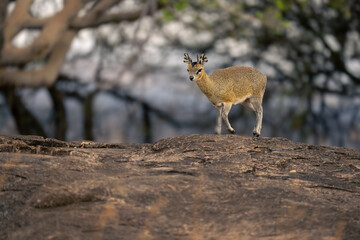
[
  {"x": 225, "y": 112},
  {"x": 218, "y": 121},
  {"x": 255, "y": 105}
]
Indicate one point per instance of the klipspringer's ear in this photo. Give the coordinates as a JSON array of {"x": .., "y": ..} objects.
[
  {"x": 187, "y": 59},
  {"x": 203, "y": 59}
]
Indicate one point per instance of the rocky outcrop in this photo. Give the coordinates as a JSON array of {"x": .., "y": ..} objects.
[{"x": 186, "y": 187}]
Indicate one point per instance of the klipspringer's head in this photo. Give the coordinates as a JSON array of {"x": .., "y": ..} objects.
[{"x": 195, "y": 69}]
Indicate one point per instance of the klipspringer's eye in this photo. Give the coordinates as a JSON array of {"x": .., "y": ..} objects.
[
  {"x": 187, "y": 70},
  {"x": 199, "y": 71}
]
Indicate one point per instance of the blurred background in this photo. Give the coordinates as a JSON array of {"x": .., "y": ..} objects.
[{"x": 113, "y": 70}]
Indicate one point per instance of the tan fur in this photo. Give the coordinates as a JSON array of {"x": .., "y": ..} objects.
[{"x": 230, "y": 86}]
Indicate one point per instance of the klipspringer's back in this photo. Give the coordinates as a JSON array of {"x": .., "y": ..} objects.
[{"x": 240, "y": 81}]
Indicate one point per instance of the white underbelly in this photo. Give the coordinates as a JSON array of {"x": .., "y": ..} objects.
[{"x": 240, "y": 100}]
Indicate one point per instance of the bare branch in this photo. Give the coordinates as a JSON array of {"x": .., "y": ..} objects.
[
  {"x": 45, "y": 76},
  {"x": 17, "y": 17},
  {"x": 36, "y": 23},
  {"x": 95, "y": 21},
  {"x": 44, "y": 43},
  {"x": 54, "y": 40},
  {"x": 336, "y": 56}
]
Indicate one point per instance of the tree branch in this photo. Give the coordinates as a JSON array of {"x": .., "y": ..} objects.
[
  {"x": 18, "y": 16},
  {"x": 45, "y": 76},
  {"x": 54, "y": 40},
  {"x": 45, "y": 42},
  {"x": 335, "y": 56},
  {"x": 95, "y": 21}
]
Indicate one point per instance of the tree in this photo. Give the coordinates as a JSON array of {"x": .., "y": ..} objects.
[
  {"x": 48, "y": 50},
  {"x": 55, "y": 36}
]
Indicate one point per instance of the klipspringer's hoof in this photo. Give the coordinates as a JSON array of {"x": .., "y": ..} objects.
[
  {"x": 217, "y": 132},
  {"x": 232, "y": 131},
  {"x": 256, "y": 134}
]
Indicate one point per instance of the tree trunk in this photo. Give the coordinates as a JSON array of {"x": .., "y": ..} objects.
[
  {"x": 147, "y": 123},
  {"x": 88, "y": 116},
  {"x": 60, "y": 113},
  {"x": 26, "y": 123}
]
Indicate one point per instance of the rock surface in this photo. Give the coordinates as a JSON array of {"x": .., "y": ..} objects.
[{"x": 186, "y": 187}]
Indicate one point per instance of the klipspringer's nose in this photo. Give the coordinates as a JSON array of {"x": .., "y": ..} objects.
[{"x": 191, "y": 78}]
